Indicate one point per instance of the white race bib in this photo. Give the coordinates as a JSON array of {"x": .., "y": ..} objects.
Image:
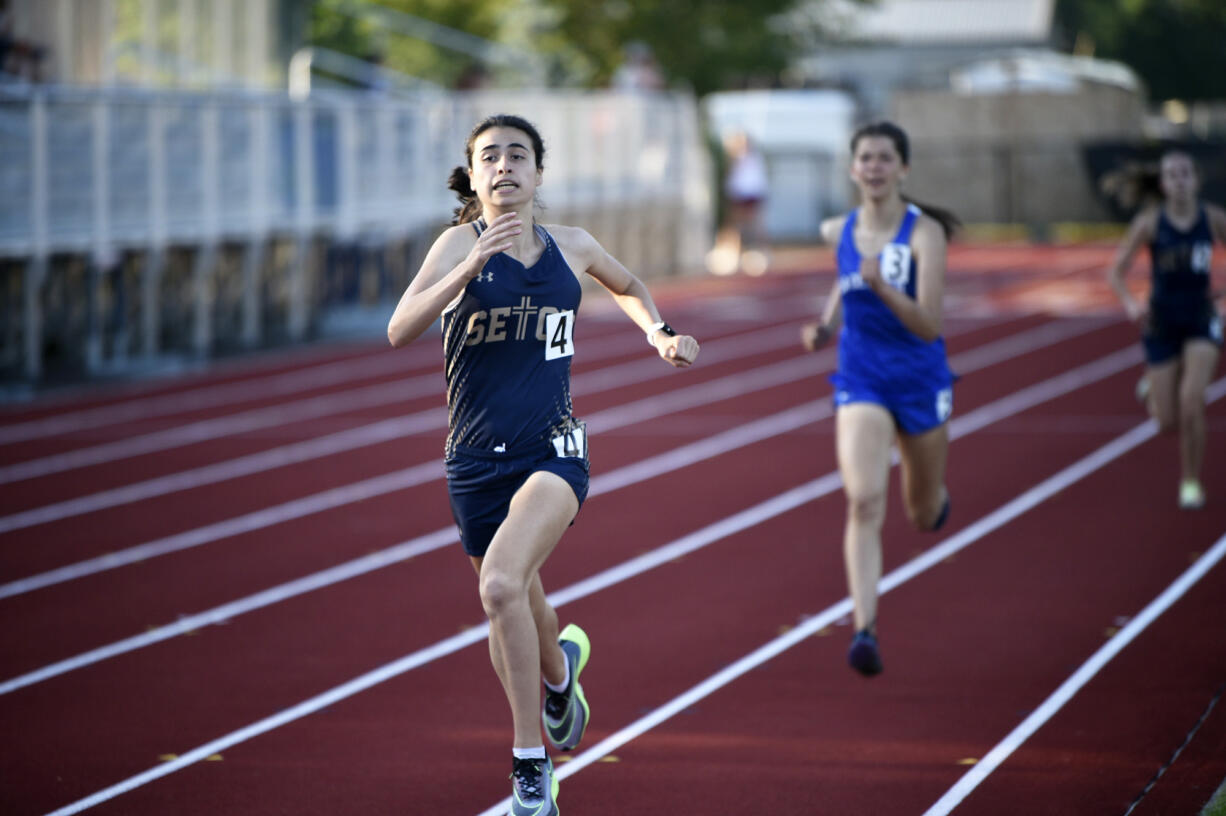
[
  {"x": 559, "y": 335},
  {"x": 896, "y": 265},
  {"x": 572, "y": 443}
]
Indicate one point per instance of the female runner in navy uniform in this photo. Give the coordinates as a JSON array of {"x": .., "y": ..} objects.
[
  {"x": 1181, "y": 330},
  {"x": 893, "y": 381},
  {"x": 516, "y": 458}
]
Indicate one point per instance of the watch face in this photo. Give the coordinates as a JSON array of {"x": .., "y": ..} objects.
[{"x": 669, "y": 330}]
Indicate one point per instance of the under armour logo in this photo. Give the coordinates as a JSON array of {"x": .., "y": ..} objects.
[{"x": 488, "y": 277}]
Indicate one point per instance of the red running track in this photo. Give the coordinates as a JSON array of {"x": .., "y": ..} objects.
[{"x": 272, "y": 639}]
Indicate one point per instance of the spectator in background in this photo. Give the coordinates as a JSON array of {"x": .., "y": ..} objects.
[
  {"x": 741, "y": 244},
  {"x": 639, "y": 71},
  {"x": 19, "y": 59},
  {"x": 474, "y": 77}
]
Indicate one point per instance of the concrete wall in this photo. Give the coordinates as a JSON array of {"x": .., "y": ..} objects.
[{"x": 1013, "y": 157}]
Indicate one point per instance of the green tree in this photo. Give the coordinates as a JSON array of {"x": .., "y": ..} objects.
[
  {"x": 705, "y": 44},
  {"x": 353, "y": 27},
  {"x": 1178, "y": 47}
]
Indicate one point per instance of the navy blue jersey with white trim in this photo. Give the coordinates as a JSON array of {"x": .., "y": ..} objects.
[
  {"x": 874, "y": 345},
  {"x": 1181, "y": 261},
  {"x": 508, "y": 340}
]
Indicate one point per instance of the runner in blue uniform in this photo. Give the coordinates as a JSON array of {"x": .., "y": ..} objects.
[
  {"x": 893, "y": 382},
  {"x": 516, "y": 457},
  {"x": 1181, "y": 328}
]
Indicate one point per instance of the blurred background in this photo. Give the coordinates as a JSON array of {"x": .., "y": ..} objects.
[{"x": 187, "y": 179}]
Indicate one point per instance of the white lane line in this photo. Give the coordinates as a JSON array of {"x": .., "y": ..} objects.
[
  {"x": 385, "y": 431},
  {"x": 738, "y": 522},
  {"x": 622, "y": 477},
  {"x": 421, "y": 422},
  {"x": 640, "y": 370},
  {"x": 209, "y": 429},
  {"x": 142, "y": 406},
  {"x": 351, "y": 439},
  {"x": 982, "y": 769},
  {"x": 917, "y": 566},
  {"x": 998, "y": 351}
]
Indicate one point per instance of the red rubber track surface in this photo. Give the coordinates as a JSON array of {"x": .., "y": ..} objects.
[{"x": 971, "y": 646}]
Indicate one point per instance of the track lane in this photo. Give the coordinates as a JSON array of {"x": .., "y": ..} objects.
[
  {"x": 390, "y": 767},
  {"x": 265, "y": 555}
]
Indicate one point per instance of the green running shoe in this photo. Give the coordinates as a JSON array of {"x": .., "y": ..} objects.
[
  {"x": 566, "y": 713},
  {"x": 534, "y": 788}
]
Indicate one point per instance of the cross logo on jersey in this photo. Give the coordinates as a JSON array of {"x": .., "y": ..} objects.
[
  {"x": 487, "y": 277},
  {"x": 523, "y": 311}
]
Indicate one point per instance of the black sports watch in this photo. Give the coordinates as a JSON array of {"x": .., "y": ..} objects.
[{"x": 659, "y": 327}]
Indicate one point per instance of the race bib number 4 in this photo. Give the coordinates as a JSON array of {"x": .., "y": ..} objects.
[
  {"x": 559, "y": 335},
  {"x": 572, "y": 443}
]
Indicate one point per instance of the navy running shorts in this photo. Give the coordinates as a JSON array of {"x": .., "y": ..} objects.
[
  {"x": 1169, "y": 329},
  {"x": 482, "y": 483},
  {"x": 914, "y": 412}
]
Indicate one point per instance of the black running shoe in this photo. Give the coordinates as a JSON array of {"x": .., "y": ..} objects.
[{"x": 863, "y": 655}]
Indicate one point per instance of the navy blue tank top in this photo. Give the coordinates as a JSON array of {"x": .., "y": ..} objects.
[
  {"x": 874, "y": 345},
  {"x": 1181, "y": 261},
  {"x": 508, "y": 340}
]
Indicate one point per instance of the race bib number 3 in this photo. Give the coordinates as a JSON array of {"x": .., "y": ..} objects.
[
  {"x": 896, "y": 265},
  {"x": 572, "y": 443},
  {"x": 559, "y": 335}
]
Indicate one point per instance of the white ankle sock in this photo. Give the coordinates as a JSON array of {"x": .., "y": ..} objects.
[
  {"x": 565, "y": 678},
  {"x": 529, "y": 753}
]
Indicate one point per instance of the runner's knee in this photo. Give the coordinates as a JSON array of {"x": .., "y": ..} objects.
[
  {"x": 867, "y": 507},
  {"x": 499, "y": 591}
]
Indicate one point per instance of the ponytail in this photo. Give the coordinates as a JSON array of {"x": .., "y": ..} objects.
[
  {"x": 1135, "y": 185},
  {"x": 946, "y": 218},
  {"x": 470, "y": 207}
]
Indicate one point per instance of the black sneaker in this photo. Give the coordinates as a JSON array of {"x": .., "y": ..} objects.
[
  {"x": 863, "y": 655},
  {"x": 534, "y": 788}
]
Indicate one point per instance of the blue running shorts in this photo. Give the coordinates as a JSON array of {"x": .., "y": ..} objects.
[
  {"x": 481, "y": 484},
  {"x": 914, "y": 412}
]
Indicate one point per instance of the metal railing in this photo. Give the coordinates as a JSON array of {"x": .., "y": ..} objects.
[{"x": 139, "y": 224}]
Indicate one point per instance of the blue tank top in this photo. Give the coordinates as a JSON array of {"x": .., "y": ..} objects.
[
  {"x": 1181, "y": 262},
  {"x": 874, "y": 345},
  {"x": 508, "y": 340}
]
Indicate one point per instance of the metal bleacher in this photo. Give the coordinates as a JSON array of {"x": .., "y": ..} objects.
[{"x": 144, "y": 226}]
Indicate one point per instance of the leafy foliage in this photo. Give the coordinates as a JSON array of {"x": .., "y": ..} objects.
[
  {"x": 705, "y": 45},
  {"x": 348, "y": 27},
  {"x": 1176, "y": 46}
]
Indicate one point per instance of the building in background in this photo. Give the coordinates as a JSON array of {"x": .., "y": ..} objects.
[
  {"x": 161, "y": 43},
  {"x": 985, "y": 96},
  {"x": 895, "y": 45}
]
